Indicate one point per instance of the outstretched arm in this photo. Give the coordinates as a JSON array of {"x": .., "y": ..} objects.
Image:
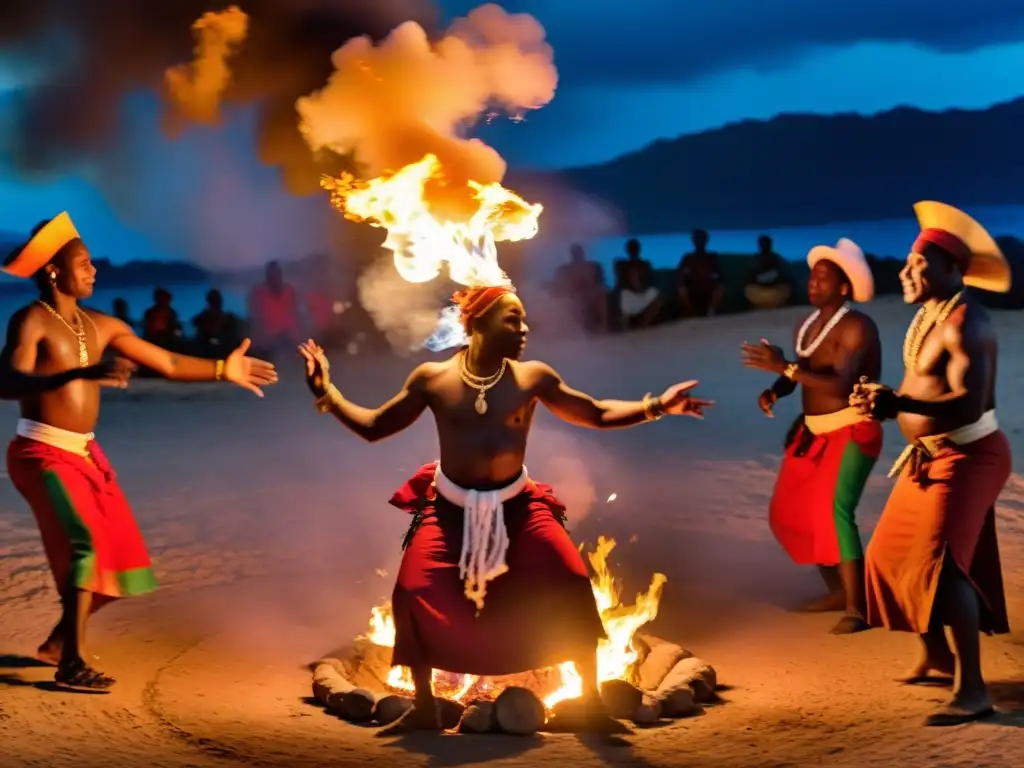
[
  {"x": 247, "y": 372},
  {"x": 580, "y": 409},
  {"x": 373, "y": 424},
  {"x": 18, "y": 360}
]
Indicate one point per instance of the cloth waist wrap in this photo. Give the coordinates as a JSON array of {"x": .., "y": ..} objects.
[
  {"x": 72, "y": 442},
  {"x": 924, "y": 447},
  {"x": 830, "y": 422},
  {"x": 484, "y": 535}
]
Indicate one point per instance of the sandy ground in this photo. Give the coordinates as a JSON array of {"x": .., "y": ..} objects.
[{"x": 267, "y": 523}]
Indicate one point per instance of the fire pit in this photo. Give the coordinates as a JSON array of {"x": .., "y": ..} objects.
[{"x": 644, "y": 679}]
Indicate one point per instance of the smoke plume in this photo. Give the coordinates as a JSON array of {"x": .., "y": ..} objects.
[
  {"x": 196, "y": 89},
  {"x": 71, "y": 114},
  {"x": 391, "y": 103}
]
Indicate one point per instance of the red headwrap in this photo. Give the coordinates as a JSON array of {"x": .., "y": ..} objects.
[
  {"x": 948, "y": 242},
  {"x": 474, "y": 302}
]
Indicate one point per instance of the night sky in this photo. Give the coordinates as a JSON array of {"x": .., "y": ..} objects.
[{"x": 660, "y": 69}]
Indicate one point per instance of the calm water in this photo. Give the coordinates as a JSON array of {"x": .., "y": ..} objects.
[{"x": 890, "y": 237}]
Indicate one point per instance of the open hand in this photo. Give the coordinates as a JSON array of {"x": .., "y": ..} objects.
[
  {"x": 875, "y": 400},
  {"x": 677, "y": 401},
  {"x": 248, "y": 372},
  {"x": 318, "y": 368},
  {"x": 766, "y": 401},
  {"x": 763, "y": 356},
  {"x": 112, "y": 372}
]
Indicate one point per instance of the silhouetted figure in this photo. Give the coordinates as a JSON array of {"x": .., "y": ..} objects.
[
  {"x": 322, "y": 305},
  {"x": 581, "y": 283},
  {"x": 160, "y": 324},
  {"x": 216, "y": 330},
  {"x": 274, "y": 312},
  {"x": 640, "y": 303},
  {"x": 768, "y": 282},
  {"x": 122, "y": 313},
  {"x": 698, "y": 280}
]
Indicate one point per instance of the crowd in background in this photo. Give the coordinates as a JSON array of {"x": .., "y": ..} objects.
[{"x": 636, "y": 300}]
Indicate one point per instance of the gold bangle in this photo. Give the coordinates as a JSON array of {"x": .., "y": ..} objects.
[
  {"x": 790, "y": 371},
  {"x": 218, "y": 370},
  {"x": 652, "y": 403},
  {"x": 329, "y": 400}
]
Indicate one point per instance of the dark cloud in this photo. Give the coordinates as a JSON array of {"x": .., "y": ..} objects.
[
  {"x": 677, "y": 40},
  {"x": 96, "y": 51}
]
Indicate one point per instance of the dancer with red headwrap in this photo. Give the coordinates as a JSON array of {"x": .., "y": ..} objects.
[{"x": 490, "y": 582}]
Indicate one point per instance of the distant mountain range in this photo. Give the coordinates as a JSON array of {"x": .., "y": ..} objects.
[{"x": 802, "y": 170}]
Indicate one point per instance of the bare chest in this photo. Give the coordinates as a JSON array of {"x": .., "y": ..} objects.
[
  {"x": 506, "y": 405},
  {"x": 69, "y": 346}
]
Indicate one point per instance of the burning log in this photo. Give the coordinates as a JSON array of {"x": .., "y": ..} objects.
[
  {"x": 519, "y": 712},
  {"x": 479, "y": 717},
  {"x": 656, "y": 658},
  {"x": 648, "y": 713},
  {"x": 390, "y": 708},
  {"x": 621, "y": 698},
  {"x": 338, "y": 695},
  {"x": 451, "y": 712},
  {"x": 693, "y": 673}
]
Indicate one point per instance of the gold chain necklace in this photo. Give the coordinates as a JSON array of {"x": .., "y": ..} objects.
[
  {"x": 83, "y": 349},
  {"x": 480, "y": 383},
  {"x": 921, "y": 327}
]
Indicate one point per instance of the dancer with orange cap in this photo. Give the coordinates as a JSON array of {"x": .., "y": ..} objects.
[
  {"x": 832, "y": 448},
  {"x": 53, "y": 365},
  {"x": 490, "y": 582},
  {"x": 933, "y": 561}
]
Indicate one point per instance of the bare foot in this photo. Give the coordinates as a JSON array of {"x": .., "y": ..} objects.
[
  {"x": 850, "y": 624},
  {"x": 833, "y": 601},
  {"x": 962, "y": 709},
  {"x": 421, "y": 718},
  {"x": 930, "y": 670}
]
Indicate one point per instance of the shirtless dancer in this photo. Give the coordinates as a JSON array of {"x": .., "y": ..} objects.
[
  {"x": 52, "y": 365},
  {"x": 541, "y": 612},
  {"x": 933, "y": 561},
  {"x": 832, "y": 448}
]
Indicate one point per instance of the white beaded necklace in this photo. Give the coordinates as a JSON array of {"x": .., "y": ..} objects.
[{"x": 803, "y": 351}]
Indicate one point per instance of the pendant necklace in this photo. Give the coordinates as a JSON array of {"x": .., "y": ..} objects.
[
  {"x": 83, "y": 349},
  {"x": 480, "y": 383}
]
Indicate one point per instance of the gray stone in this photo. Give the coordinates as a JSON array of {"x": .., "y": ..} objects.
[
  {"x": 479, "y": 717},
  {"x": 519, "y": 712},
  {"x": 621, "y": 698},
  {"x": 390, "y": 708},
  {"x": 693, "y": 673}
]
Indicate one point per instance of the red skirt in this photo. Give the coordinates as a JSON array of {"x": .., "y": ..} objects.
[
  {"x": 541, "y": 612},
  {"x": 88, "y": 530}
]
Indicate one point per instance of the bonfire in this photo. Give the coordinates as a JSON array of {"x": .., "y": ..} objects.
[{"x": 617, "y": 656}]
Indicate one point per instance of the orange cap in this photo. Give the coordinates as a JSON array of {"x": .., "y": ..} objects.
[{"x": 46, "y": 243}]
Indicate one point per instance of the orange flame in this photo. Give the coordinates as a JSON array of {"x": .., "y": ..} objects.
[
  {"x": 616, "y": 657},
  {"x": 422, "y": 240}
]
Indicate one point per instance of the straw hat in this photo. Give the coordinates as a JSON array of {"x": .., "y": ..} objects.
[
  {"x": 43, "y": 246},
  {"x": 988, "y": 270},
  {"x": 848, "y": 256}
]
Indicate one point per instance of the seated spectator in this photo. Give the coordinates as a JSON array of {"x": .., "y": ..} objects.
[
  {"x": 631, "y": 263},
  {"x": 698, "y": 280},
  {"x": 217, "y": 332},
  {"x": 768, "y": 282},
  {"x": 640, "y": 304},
  {"x": 122, "y": 313},
  {"x": 581, "y": 283},
  {"x": 160, "y": 324}
]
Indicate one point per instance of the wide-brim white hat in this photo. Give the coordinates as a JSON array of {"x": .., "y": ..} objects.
[
  {"x": 988, "y": 269},
  {"x": 848, "y": 256}
]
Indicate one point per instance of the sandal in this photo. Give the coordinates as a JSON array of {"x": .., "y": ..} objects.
[{"x": 82, "y": 678}]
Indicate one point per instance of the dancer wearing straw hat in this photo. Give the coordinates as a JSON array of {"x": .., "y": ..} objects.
[
  {"x": 832, "y": 448},
  {"x": 933, "y": 561},
  {"x": 53, "y": 365}
]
